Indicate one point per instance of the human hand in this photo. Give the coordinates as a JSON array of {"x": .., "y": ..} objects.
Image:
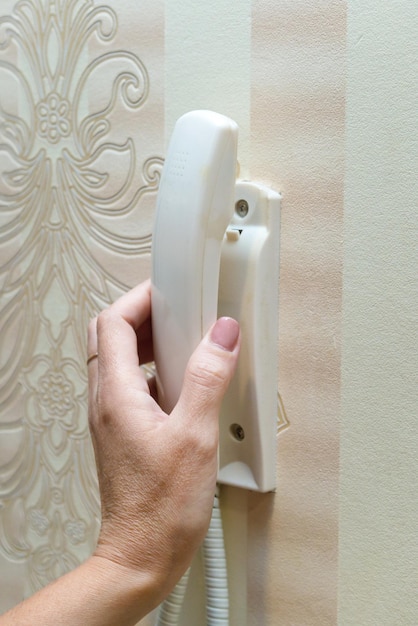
[{"x": 157, "y": 472}]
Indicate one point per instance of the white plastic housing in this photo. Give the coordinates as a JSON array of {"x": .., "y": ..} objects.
[
  {"x": 194, "y": 207},
  {"x": 248, "y": 291}
]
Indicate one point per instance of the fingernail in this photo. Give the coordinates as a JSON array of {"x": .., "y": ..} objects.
[{"x": 225, "y": 333}]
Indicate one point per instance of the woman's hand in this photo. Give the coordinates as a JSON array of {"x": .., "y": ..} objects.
[{"x": 157, "y": 472}]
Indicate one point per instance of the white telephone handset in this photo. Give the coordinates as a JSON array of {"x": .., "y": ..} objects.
[{"x": 194, "y": 207}]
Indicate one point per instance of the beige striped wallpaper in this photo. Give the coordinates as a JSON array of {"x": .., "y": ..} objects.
[{"x": 325, "y": 93}]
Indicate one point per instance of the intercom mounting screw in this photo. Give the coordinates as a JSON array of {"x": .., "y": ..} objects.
[
  {"x": 237, "y": 432},
  {"x": 241, "y": 207}
]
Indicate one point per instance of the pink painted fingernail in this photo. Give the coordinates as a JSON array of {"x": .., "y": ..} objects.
[{"x": 225, "y": 333}]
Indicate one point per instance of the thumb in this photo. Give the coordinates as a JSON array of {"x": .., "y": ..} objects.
[{"x": 209, "y": 371}]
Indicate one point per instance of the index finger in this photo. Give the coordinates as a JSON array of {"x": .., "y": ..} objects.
[
  {"x": 117, "y": 341},
  {"x": 135, "y": 305}
]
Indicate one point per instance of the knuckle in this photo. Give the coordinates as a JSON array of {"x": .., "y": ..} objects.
[
  {"x": 208, "y": 374},
  {"x": 200, "y": 443},
  {"x": 108, "y": 404},
  {"x": 104, "y": 318}
]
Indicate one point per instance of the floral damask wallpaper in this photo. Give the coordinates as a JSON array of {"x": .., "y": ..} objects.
[{"x": 78, "y": 178}]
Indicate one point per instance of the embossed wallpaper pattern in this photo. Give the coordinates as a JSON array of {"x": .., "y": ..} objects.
[{"x": 78, "y": 177}]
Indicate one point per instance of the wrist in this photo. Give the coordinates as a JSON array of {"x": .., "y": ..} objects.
[
  {"x": 128, "y": 593},
  {"x": 154, "y": 563},
  {"x": 97, "y": 593}
]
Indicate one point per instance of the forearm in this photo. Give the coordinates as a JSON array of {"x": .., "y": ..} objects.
[{"x": 97, "y": 593}]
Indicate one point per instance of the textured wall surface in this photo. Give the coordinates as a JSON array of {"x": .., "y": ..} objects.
[
  {"x": 81, "y": 144},
  {"x": 89, "y": 93},
  {"x": 379, "y": 438}
]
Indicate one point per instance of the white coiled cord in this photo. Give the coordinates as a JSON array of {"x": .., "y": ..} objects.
[
  {"x": 170, "y": 609},
  {"x": 216, "y": 576}
]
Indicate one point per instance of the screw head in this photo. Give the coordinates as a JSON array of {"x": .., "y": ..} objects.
[
  {"x": 237, "y": 432},
  {"x": 241, "y": 207}
]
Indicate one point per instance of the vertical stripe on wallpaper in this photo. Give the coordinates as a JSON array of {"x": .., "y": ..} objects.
[
  {"x": 297, "y": 146},
  {"x": 207, "y": 62}
]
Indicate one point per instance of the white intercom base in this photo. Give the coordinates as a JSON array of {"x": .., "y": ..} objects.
[{"x": 248, "y": 291}]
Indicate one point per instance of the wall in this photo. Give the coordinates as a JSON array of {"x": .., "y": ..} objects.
[
  {"x": 324, "y": 96},
  {"x": 379, "y": 441}
]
